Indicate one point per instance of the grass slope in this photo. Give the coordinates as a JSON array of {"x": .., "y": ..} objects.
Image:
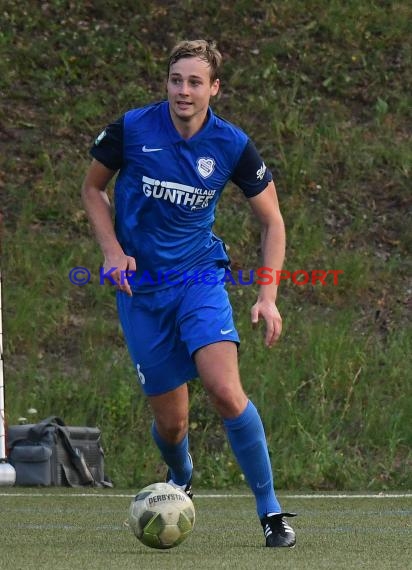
[{"x": 323, "y": 87}]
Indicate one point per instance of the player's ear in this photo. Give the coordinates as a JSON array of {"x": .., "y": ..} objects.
[{"x": 214, "y": 89}]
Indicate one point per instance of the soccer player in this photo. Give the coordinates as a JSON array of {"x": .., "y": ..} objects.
[{"x": 173, "y": 160}]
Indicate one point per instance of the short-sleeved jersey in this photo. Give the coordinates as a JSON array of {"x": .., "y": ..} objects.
[{"x": 168, "y": 187}]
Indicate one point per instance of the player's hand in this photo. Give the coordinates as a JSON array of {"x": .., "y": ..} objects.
[
  {"x": 121, "y": 269},
  {"x": 269, "y": 312}
]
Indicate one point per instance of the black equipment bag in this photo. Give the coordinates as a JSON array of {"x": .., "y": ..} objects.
[{"x": 51, "y": 453}]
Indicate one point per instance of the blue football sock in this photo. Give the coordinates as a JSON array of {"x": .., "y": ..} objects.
[
  {"x": 247, "y": 438},
  {"x": 176, "y": 457}
]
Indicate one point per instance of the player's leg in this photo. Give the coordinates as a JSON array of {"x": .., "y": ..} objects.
[
  {"x": 218, "y": 368},
  {"x": 206, "y": 325},
  {"x": 170, "y": 411},
  {"x": 163, "y": 367},
  {"x": 170, "y": 433}
]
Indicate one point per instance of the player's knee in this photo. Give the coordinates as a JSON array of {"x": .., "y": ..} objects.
[
  {"x": 228, "y": 402},
  {"x": 172, "y": 429}
]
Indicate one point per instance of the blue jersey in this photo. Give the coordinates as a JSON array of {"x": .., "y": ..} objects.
[{"x": 167, "y": 189}]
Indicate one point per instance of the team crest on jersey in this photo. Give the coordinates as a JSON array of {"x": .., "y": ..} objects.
[{"x": 205, "y": 166}]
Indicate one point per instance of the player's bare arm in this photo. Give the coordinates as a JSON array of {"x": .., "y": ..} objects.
[
  {"x": 97, "y": 205},
  {"x": 265, "y": 207}
]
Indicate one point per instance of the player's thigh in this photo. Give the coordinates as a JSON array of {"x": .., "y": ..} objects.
[
  {"x": 217, "y": 365},
  {"x": 205, "y": 316},
  {"x": 161, "y": 359},
  {"x": 206, "y": 324}
]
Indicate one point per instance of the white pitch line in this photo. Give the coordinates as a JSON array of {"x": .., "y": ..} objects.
[
  {"x": 222, "y": 495},
  {"x": 354, "y": 496}
]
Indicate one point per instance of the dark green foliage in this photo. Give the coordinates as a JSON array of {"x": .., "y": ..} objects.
[{"x": 323, "y": 87}]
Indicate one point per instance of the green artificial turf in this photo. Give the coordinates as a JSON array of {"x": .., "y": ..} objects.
[{"x": 60, "y": 529}]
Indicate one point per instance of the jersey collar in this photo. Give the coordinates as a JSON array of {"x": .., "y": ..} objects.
[{"x": 174, "y": 134}]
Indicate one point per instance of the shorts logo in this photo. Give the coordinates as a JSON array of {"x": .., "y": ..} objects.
[
  {"x": 205, "y": 166},
  {"x": 140, "y": 375}
]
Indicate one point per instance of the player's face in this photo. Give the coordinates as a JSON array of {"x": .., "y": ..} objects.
[{"x": 189, "y": 90}]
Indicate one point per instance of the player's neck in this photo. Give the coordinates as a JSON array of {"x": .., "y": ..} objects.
[{"x": 188, "y": 128}]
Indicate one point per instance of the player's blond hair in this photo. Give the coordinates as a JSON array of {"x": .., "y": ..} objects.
[{"x": 202, "y": 49}]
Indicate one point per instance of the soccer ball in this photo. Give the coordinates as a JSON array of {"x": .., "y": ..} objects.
[{"x": 161, "y": 516}]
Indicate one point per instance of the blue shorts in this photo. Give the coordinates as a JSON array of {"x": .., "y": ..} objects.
[{"x": 163, "y": 329}]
